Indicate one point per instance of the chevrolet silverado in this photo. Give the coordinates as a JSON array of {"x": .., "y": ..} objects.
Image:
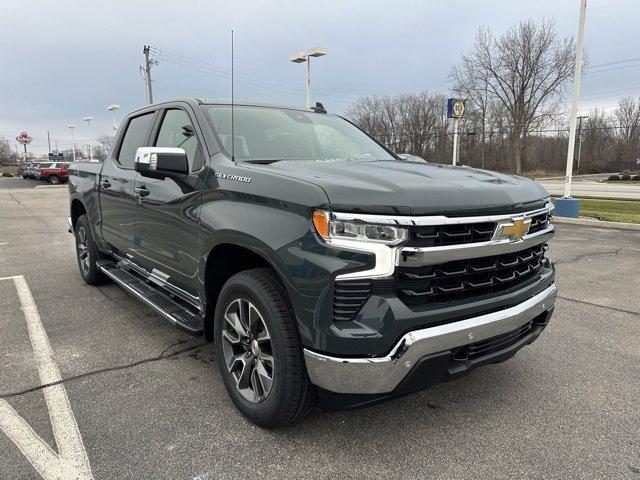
[{"x": 325, "y": 269}]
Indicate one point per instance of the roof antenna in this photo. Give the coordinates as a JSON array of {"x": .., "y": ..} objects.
[{"x": 233, "y": 135}]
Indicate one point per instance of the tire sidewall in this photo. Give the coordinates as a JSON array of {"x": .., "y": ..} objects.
[
  {"x": 54, "y": 180},
  {"x": 94, "y": 275},
  {"x": 243, "y": 287}
]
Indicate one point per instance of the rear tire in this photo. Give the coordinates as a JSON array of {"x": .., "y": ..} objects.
[
  {"x": 258, "y": 350},
  {"x": 87, "y": 253},
  {"x": 54, "y": 180}
]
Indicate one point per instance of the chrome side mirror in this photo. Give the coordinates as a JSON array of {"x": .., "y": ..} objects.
[{"x": 161, "y": 162}]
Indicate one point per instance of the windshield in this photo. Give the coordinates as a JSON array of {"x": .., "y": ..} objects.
[{"x": 266, "y": 133}]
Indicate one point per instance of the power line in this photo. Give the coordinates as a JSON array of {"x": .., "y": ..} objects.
[
  {"x": 504, "y": 132},
  {"x": 620, "y": 90},
  {"x": 248, "y": 82},
  {"x": 275, "y": 83},
  {"x": 612, "y": 63},
  {"x": 611, "y": 69}
]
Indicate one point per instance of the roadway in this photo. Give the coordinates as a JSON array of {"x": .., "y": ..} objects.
[{"x": 589, "y": 186}]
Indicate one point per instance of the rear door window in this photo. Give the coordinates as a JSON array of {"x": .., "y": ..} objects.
[{"x": 135, "y": 136}]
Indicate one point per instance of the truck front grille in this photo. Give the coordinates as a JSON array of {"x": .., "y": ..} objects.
[
  {"x": 460, "y": 234},
  {"x": 444, "y": 235},
  {"x": 540, "y": 222},
  {"x": 463, "y": 279}
]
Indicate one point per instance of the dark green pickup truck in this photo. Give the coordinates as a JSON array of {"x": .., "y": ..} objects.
[{"x": 325, "y": 268}]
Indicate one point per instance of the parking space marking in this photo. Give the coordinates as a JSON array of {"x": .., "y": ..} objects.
[{"x": 71, "y": 462}]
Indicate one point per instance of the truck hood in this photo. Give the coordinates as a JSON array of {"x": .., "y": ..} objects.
[{"x": 413, "y": 188}]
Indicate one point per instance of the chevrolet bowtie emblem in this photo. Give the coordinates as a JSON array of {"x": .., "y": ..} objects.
[{"x": 515, "y": 230}]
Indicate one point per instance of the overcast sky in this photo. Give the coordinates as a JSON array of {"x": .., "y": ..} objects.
[{"x": 63, "y": 60}]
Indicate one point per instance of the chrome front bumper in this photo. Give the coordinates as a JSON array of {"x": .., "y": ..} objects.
[{"x": 383, "y": 374}]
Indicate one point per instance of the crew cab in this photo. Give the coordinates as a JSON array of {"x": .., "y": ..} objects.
[
  {"x": 324, "y": 268},
  {"x": 54, "y": 173}
]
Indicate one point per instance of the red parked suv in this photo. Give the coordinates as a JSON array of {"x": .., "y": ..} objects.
[{"x": 54, "y": 173}]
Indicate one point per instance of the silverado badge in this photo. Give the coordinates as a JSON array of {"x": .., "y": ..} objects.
[{"x": 514, "y": 229}]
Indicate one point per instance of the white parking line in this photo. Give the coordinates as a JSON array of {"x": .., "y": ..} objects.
[{"x": 71, "y": 462}]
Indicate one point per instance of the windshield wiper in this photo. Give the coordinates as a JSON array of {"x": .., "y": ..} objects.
[{"x": 264, "y": 162}]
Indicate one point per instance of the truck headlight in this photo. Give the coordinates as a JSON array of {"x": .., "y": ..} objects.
[{"x": 330, "y": 229}]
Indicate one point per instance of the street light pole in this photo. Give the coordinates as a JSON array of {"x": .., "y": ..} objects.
[
  {"x": 301, "y": 57},
  {"x": 113, "y": 108},
  {"x": 73, "y": 144},
  {"x": 88, "y": 120}
]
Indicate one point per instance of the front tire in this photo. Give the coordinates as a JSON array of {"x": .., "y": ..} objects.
[
  {"x": 87, "y": 253},
  {"x": 258, "y": 350}
]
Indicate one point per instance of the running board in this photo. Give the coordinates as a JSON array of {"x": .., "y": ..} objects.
[{"x": 160, "y": 302}]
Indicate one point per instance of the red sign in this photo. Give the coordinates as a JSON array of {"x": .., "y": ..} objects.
[{"x": 24, "y": 138}]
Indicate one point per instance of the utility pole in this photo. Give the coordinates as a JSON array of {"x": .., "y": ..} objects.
[
  {"x": 148, "y": 63},
  {"x": 580, "y": 118},
  {"x": 49, "y": 141}
]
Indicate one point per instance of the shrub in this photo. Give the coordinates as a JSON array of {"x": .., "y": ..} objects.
[
  {"x": 613, "y": 178},
  {"x": 636, "y": 178},
  {"x": 7, "y": 174},
  {"x": 626, "y": 177}
]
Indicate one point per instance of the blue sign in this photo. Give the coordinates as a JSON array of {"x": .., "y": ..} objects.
[{"x": 455, "y": 107}]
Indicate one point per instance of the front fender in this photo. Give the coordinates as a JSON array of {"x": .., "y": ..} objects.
[{"x": 282, "y": 234}]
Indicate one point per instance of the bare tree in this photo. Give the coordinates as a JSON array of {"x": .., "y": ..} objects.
[
  {"x": 105, "y": 141},
  {"x": 6, "y": 156},
  {"x": 628, "y": 116},
  {"x": 524, "y": 70},
  {"x": 410, "y": 123}
]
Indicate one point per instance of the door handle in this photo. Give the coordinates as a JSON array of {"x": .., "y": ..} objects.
[
  {"x": 142, "y": 191},
  {"x": 105, "y": 184}
]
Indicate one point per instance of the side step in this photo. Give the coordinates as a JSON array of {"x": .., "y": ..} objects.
[{"x": 160, "y": 302}]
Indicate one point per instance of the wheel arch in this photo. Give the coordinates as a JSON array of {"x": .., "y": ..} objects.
[
  {"x": 227, "y": 258},
  {"x": 77, "y": 209}
]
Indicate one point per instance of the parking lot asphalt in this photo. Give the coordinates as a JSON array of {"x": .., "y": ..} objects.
[{"x": 148, "y": 401}]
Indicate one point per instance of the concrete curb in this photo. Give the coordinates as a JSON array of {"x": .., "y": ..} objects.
[{"x": 591, "y": 222}]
